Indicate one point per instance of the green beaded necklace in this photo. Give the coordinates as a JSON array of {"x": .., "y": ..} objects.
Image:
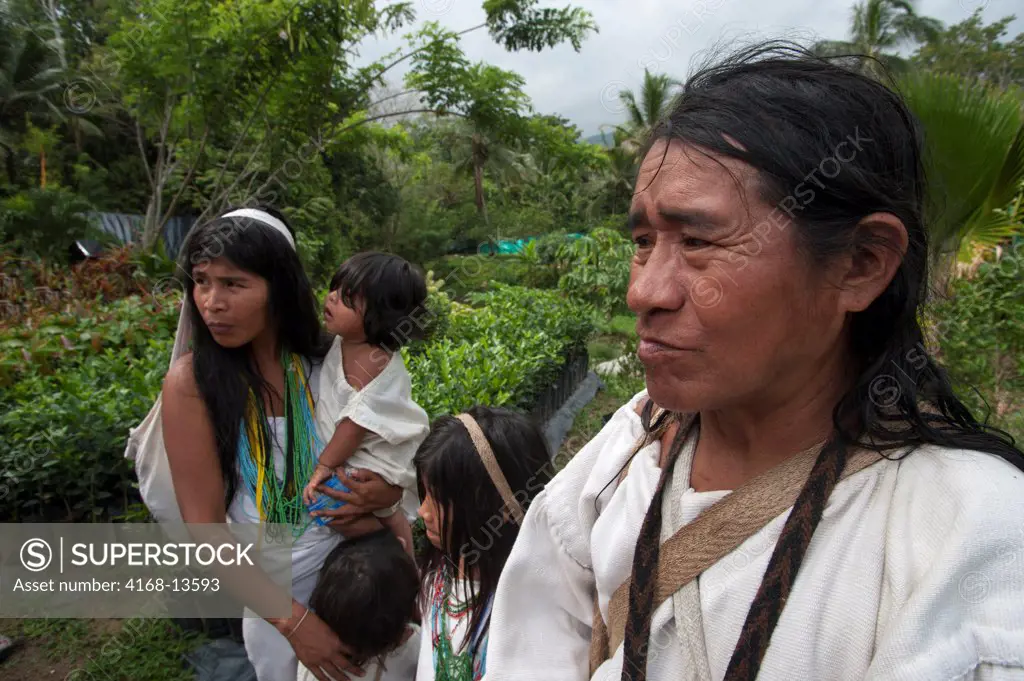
[{"x": 280, "y": 501}]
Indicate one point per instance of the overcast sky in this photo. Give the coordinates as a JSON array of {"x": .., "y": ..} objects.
[{"x": 666, "y": 35}]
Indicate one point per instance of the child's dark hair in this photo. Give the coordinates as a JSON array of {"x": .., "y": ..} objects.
[
  {"x": 367, "y": 593},
  {"x": 392, "y": 289},
  {"x": 475, "y": 530}
]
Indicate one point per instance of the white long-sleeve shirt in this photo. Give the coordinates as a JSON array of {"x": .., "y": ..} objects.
[{"x": 915, "y": 572}]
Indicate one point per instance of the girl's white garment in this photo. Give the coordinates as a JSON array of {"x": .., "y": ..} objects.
[
  {"x": 384, "y": 407},
  {"x": 400, "y": 665},
  {"x": 916, "y": 572},
  {"x": 457, "y": 629}
]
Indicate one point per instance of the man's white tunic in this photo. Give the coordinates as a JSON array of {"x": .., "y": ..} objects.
[{"x": 916, "y": 572}]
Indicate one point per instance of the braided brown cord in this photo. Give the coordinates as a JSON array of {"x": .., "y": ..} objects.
[
  {"x": 645, "y": 571},
  {"x": 784, "y": 565}
]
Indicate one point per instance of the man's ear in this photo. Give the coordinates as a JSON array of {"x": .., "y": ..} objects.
[{"x": 879, "y": 244}]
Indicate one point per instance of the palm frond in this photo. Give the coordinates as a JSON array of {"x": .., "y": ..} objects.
[{"x": 974, "y": 155}]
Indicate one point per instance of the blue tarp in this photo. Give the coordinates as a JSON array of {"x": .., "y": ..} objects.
[
  {"x": 127, "y": 228},
  {"x": 512, "y": 245}
]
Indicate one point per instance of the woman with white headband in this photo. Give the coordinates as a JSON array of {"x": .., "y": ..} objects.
[{"x": 243, "y": 401}]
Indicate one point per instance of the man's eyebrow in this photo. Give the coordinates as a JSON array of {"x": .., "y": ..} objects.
[{"x": 690, "y": 218}]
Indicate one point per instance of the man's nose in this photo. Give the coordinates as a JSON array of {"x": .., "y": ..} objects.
[{"x": 657, "y": 284}]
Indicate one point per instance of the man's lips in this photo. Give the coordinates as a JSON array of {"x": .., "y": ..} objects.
[{"x": 652, "y": 348}]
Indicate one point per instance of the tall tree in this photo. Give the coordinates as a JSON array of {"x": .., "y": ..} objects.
[
  {"x": 224, "y": 92},
  {"x": 645, "y": 110},
  {"x": 976, "y": 51},
  {"x": 30, "y": 83},
  {"x": 878, "y": 28}
]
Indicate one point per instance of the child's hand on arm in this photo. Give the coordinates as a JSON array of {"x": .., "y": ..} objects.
[
  {"x": 320, "y": 475},
  {"x": 347, "y": 437}
]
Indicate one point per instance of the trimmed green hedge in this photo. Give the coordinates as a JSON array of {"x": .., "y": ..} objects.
[{"x": 64, "y": 421}]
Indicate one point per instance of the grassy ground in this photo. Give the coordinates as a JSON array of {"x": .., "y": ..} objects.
[{"x": 97, "y": 650}]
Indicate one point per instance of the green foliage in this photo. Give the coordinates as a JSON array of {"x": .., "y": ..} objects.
[
  {"x": 878, "y": 30},
  {"x": 42, "y": 289},
  {"x": 131, "y": 327},
  {"x": 64, "y": 434},
  {"x": 980, "y": 332},
  {"x": 504, "y": 351},
  {"x": 977, "y": 52},
  {"x": 975, "y": 156},
  {"x": 599, "y": 269},
  {"x": 520, "y": 24},
  {"x": 43, "y": 223},
  {"x": 645, "y": 111},
  {"x": 464, "y": 274}
]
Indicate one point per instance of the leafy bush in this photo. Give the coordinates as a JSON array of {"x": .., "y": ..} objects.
[
  {"x": 464, "y": 274},
  {"x": 980, "y": 333},
  {"x": 437, "y": 317},
  {"x": 599, "y": 268},
  {"x": 41, "y": 288},
  {"x": 44, "y": 222},
  {"x": 64, "y": 435},
  {"x": 504, "y": 351},
  {"x": 130, "y": 326},
  {"x": 568, "y": 321}
]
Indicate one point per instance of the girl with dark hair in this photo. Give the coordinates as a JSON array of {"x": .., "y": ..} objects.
[
  {"x": 367, "y": 594},
  {"x": 366, "y": 413},
  {"x": 478, "y": 473},
  {"x": 798, "y": 493},
  {"x": 237, "y": 418}
]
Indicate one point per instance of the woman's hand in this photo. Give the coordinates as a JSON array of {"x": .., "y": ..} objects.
[
  {"x": 317, "y": 647},
  {"x": 368, "y": 493}
]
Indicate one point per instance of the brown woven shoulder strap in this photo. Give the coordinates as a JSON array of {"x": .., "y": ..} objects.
[{"x": 714, "y": 534}]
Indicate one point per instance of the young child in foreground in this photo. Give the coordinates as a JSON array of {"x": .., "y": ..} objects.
[
  {"x": 478, "y": 473},
  {"x": 365, "y": 411},
  {"x": 366, "y": 594}
]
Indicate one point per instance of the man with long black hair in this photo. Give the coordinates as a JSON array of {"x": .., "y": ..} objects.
[{"x": 798, "y": 493}]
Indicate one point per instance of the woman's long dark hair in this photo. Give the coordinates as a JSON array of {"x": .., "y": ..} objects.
[
  {"x": 225, "y": 376},
  {"x": 832, "y": 146},
  {"x": 474, "y": 528}
]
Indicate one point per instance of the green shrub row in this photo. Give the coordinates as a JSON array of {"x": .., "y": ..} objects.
[
  {"x": 503, "y": 351},
  {"x": 64, "y": 422}
]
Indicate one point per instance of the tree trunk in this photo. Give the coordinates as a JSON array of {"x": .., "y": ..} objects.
[
  {"x": 478, "y": 184},
  {"x": 151, "y": 223},
  {"x": 12, "y": 166}
]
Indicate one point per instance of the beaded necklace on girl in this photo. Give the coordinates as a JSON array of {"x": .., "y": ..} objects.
[{"x": 469, "y": 662}]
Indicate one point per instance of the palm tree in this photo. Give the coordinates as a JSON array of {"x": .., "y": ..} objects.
[
  {"x": 29, "y": 82},
  {"x": 879, "y": 27},
  {"x": 656, "y": 93},
  {"x": 974, "y": 143},
  {"x": 471, "y": 150}
]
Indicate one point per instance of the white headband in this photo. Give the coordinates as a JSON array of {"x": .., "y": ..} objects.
[{"x": 265, "y": 218}]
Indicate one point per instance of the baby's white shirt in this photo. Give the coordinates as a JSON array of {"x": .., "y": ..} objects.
[{"x": 396, "y": 423}]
